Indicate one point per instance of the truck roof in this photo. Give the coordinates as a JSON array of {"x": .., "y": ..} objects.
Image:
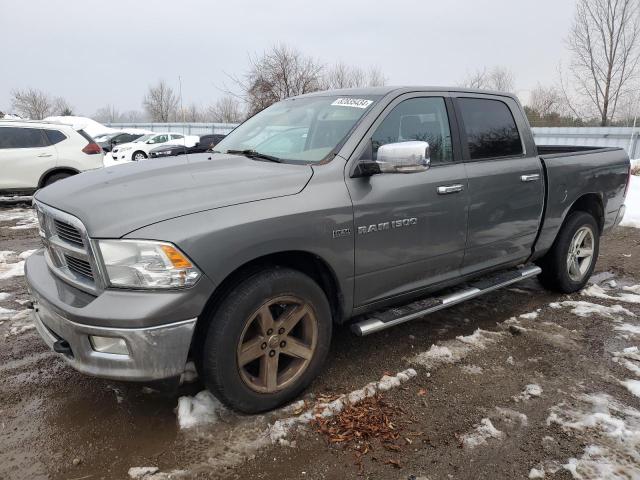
[{"x": 402, "y": 89}]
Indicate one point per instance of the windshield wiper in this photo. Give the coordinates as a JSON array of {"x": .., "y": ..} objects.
[{"x": 253, "y": 154}]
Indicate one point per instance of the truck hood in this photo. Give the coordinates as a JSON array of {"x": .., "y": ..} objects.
[{"x": 112, "y": 202}]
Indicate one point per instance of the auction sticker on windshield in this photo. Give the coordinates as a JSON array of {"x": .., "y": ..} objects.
[{"x": 352, "y": 102}]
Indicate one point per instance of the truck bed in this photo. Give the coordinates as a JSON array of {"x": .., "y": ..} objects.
[{"x": 575, "y": 172}]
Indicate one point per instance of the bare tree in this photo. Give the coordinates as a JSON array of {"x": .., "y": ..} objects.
[
  {"x": 375, "y": 78},
  {"x": 545, "y": 100},
  {"x": 31, "y": 103},
  {"x": 605, "y": 43},
  {"x": 225, "y": 110},
  {"x": 161, "y": 102},
  {"x": 341, "y": 75},
  {"x": 278, "y": 73},
  {"x": 107, "y": 114},
  {"x": 61, "y": 107},
  {"x": 191, "y": 113},
  {"x": 497, "y": 78}
]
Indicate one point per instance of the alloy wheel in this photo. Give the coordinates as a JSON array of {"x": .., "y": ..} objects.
[
  {"x": 580, "y": 255},
  {"x": 277, "y": 344}
]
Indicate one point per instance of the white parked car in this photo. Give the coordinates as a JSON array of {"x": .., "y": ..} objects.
[
  {"x": 139, "y": 149},
  {"x": 36, "y": 154}
]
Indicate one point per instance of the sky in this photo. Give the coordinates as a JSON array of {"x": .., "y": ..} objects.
[{"x": 96, "y": 53}]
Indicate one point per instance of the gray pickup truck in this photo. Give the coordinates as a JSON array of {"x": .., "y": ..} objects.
[{"x": 369, "y": 206}]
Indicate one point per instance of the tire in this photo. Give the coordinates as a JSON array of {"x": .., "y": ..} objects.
[
  {"x": 56, "y": 177},
  {"x": 559, "y": 272},
  {"x": 138, "y": 155},
  {"x": 244, "y": 318}
]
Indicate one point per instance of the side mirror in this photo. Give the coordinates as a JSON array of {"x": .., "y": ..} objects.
[{"x": 402, "y": 157}]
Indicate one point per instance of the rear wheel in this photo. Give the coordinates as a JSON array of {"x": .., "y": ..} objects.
[
  {"x": 53, "y": 178},
  {"x": 568, "y": 265},
  {"x": 267, "y": 340}
]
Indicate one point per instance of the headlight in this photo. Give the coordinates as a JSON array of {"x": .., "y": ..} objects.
[
  {"x": 146, "y": 264},
  {"x": 124, "y": 149}
]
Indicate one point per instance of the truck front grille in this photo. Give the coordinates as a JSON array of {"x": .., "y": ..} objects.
[{"x": 68, "y": 248}]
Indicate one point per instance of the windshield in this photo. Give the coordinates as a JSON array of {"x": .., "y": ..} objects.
[
  {"x": 299, "y": 129},
  {"x": 144, "y": 138}
]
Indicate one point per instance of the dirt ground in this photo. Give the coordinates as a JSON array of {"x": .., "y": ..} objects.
[{"x": 551, "y": 394}]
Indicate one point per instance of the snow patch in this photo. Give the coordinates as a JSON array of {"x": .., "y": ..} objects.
[
  {"x": 480, "y": 434},
  {"x": 536, "y": 473},
  {"x": 632, "y": 202},
  {"x": 599, "y": 292},
  {"x": 141, "y": 472},
  {"x": 453, "y": 351},
  {"x": 627, "y": 327},
  {"x": 633, "y": 386},
  {"x": 586, "y": 309},
  {"x": 611, "y": 430},
  {"x": 27, "y": 253},
  {"x": 202, "y": 409},
  {"x": 4, "y": 296},
  {"x": 512, "y": 416},
  {"x": 531, "y": 390},
  {"x": 530, "y": 315}
]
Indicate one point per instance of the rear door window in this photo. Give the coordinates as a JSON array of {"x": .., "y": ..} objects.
[
  {"x": 22, "y": 137},
  {"x": 490, "y": 128},
  {"x": 55, "y": 136}
]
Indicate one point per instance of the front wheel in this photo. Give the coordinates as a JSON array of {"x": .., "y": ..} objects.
[
  {"x": 137, "y": 156},
  {"x": 568, "y": 265},
  {"x": 267, "y": 341}
]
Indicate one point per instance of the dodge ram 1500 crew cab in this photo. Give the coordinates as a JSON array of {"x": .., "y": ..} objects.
[{"x": 373, "y": 206}]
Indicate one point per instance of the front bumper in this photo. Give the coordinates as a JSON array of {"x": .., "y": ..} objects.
[{"x": 154, "y": 352}]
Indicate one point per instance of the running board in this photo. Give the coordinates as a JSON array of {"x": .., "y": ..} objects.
[{"x": 381, "y": 319}]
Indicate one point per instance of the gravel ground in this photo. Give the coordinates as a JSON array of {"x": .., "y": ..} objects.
[{"x": 554, "y": 391}]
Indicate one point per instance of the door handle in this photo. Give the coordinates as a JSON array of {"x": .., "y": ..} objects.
[
  {"x": 446, "y": 189},
  {"x": 530, "y": 178},
  {"x": 43, "y": 155}
]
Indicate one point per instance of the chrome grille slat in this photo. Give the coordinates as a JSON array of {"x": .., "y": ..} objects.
[
  {"x": 68, "y": 233},
  {"x": 79, "y": 266}
]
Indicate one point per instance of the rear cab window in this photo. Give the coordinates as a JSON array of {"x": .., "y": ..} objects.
[
  {"x": 490, "y": 128},
  {"x": 22, "y": 137}
]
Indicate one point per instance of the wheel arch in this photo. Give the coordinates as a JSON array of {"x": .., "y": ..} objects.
[
  {"x": 590, "y": 203},
  {"x": 306, "y": 262},
  {"x": 53, "y": 171}
]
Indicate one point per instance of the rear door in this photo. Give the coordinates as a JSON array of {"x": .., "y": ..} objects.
[
  {"x": 506, "y": 185},
  {"x": 409, "y": 234},
  {"x": 25, "y": 155}
]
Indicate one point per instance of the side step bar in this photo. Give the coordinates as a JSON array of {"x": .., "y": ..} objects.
[{"x": 376, "y": 321}]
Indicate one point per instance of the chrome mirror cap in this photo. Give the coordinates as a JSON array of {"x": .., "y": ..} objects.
[{"x": 404, "y": 157}]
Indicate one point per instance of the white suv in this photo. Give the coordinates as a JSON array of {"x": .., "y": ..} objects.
[{"x": 36, "y": 154}]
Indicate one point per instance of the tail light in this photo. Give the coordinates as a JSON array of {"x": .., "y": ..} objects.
[{"x": 92, "y": 148}]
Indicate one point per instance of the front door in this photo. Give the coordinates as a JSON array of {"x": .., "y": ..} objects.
[{"x": 410, "y": 229}]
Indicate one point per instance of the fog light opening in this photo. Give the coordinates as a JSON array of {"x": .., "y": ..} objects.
[{"x": 113, "y": 345}]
